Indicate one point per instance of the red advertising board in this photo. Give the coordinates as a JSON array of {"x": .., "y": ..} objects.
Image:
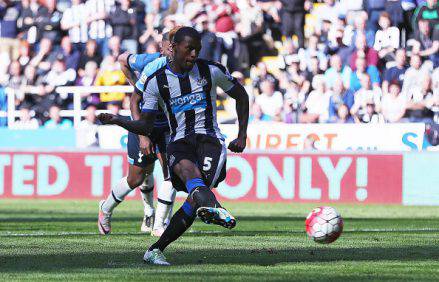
[{"x": 350, "y": 178}]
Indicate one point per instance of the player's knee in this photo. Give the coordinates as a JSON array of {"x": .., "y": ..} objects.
[
  {"x": 186, "y": 170},
  {"x": 189, "y": 207},
  {"x": 135, "y": 181}
]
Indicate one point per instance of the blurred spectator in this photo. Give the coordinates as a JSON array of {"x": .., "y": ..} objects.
[
  {"x": 69, "y": 55},
  {"x": 428, "y": 11},
  {"x": 24, "y": 54},
  {"x": 88, "y": 129},
  {"x": 366, "y": 95},
  {"x": 293, "y": 19},
  {"x": 55, "y": 121},
  {"x": 360, "y": 28},
  {"x": 361, "y": 70},
  {"x": 110, "y": 74},
  {"x": 256, "y": 114},
  {"x": 99, "y": 28},
  {"x": 312, "y": 51},
  {"x": 421, "y": 103},
  {"x": 337, "y": 71},
  {"x": 317, "y": 103},
  {"x": 26, "y": 121},
  {"x": 386, "y": 38},
  {"x": 427, "y": 42},
  {"x": 270, "y": 100},
  {"x": 114, "y": 46},
  {"x": 89, "y": 54},
  {"x": 210, "y": 44},
  {"x": 27, "y": 21},
  {"x": 339, "y": 97},
  {"x": 123, "y": 21},
  {"x": 44, "y": 58},
  {"x": 370, "y": 115},
  {"x": 9, "y": 13},
  {"x": 393, "y": 105},
  {"x": 413, "y": 77},
  {"x": 374, "y": 8},
  {"x": 262, "y": 74},
  {"x": 48, "y": 22},
  {"x": 395, "y": 73},
  {"x": 74, "y": 21},
  {"x": 343, "y": 115},
  {"x": 114, "y": 107},
  {"x": 88, "y": 78},
  {"x": 362, "y": 50}
]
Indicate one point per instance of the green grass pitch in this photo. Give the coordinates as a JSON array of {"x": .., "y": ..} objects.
[{"x": 48, "y": 240}]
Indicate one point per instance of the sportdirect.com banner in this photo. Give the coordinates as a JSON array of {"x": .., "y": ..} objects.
[
  {"x": 349, "y": 178},
  {"x": 278, "y": 136}
]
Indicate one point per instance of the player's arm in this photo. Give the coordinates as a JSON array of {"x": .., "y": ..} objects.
[
  {"x": 133, "y": 64},
  {"x": 234, "y": 89},
  {"x": 242, "y": 109}
]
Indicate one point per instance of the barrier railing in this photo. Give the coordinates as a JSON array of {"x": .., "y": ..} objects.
[{"x": 77, "y": 111}]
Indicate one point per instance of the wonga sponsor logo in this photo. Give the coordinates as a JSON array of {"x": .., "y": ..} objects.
[{"x": 188, "y": 102}]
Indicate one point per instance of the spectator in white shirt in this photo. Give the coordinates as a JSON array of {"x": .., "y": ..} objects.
[
  {"x": 26, "y": 120},
  {"x": 317, "y": 103},
  {"x": 386, "y": 38},
  {"x": 364, "y": 95},
  {"x": 74, "y": 20},
  {"x": 270, "y": 101},
  {"x": 393, "y": 105},
  {"x": 88, "y": 129}
]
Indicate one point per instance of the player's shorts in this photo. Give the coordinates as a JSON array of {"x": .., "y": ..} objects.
[
  {"x": 160, "y": 139},
  {"x": 208, "y": 153}
]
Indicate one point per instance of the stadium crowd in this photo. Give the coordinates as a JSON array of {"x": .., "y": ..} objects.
[{"x": 353, "y": 61}]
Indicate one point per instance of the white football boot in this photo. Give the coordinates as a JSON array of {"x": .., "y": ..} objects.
[
  {"x": 104, "y": 220},
  {"x": 155, "y": 257}
]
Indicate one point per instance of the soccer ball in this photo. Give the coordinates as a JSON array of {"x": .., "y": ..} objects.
[{"x": 324, "y": 225}]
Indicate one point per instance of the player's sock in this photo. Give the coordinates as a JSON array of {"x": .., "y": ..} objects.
[
  {"x": 165, "y": 201},
  {"x": 147, "y": 189},
  {"x": 180, "y": 222},
  {"x": 200, "y": 193},
  {"x": 117, "y": 195}
]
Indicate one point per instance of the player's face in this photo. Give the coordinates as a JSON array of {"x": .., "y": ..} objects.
[{"x": 186, "y": 52}]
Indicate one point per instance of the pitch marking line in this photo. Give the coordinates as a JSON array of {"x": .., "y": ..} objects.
[{"x": 60, "y": 234}]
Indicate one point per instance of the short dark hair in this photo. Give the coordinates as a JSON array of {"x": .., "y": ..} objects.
[{"x": 186, "y": 31}]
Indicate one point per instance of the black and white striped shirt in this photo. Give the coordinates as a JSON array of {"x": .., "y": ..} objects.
[{"x": 189, "y": 100}]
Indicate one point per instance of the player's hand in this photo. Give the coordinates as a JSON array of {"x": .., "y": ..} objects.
[
  {"x": 238, "y": 145},
  {"x": 107, "y": 118},
  {"x": 146, "y": 146}
]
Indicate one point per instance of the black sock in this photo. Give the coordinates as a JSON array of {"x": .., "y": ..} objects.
[
  {"x": 204, "y": 197},
  {"x": 179, "y": 223}
]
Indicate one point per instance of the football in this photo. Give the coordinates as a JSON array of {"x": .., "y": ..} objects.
[{"x": 324, "y": 225}]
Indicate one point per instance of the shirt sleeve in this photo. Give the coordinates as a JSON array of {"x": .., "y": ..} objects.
[
  {"x": 147, "y": 71},
  {"x": 222, "y": 78},
  {"x": 151, "y": 97},
  {"x": 138, "y": 61}
]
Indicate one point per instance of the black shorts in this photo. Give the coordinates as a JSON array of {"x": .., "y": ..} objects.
[
  {"x": 208, "y": 153},
  {"x": 160, "y": 139}
]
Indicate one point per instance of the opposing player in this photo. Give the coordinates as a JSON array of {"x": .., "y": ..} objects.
[
  {"x": 186, "y": 89},
  {"x": 141, "y": 165}
]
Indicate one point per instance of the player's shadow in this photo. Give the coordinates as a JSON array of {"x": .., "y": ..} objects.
[
  {"x": 272, "y": 256},
  {"x": 83, "y": 259}
]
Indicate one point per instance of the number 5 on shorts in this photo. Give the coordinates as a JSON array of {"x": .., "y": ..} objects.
[{"x": 207, "y": 163}]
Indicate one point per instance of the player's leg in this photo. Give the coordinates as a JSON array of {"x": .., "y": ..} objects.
[
  {"x": 211, "y": 160},
  {"x": 136, "y": 175},
  {"x": 166, "y": 192},
  {"x": 117, "y": 195},
  {"x": 147, "y": 191}
]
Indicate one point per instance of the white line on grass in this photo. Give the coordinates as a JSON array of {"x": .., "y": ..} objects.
[{"x": 60, "y": 234}]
